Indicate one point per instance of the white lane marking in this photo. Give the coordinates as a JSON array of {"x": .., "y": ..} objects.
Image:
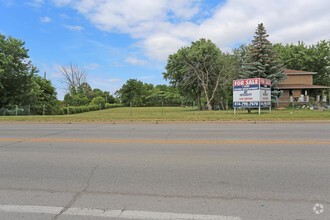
[
  {"x": 168, "y": 216},
  {"x": 92, "y": 212},
  {"x": 126, "y": 214},
  {"x": 31, "y": 209}
]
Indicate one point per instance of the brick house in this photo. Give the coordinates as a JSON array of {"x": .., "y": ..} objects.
[{"x": 299, "y": 87}]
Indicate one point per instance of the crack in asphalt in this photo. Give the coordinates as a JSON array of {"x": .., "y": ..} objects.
[
  {"x": 211, "y": 197},
  {"x": 77, "y": 195},
  {"x": 66, "y": 131},
  {"x": 121, "y": 212},
  {"x": 7, "y": 145},
  {"x": 49, "y": 135},
  {"x": 22, "y": 141},
  {"x": 168, "y": 134},
  {"x": 85, "y": 191},
  {"x": 37, "y": 190}
]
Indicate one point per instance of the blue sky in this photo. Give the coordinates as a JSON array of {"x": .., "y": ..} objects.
[{"x": 116, "y": 40}]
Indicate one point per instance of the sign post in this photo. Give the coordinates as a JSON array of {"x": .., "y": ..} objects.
[{"x": 252, "y": 93}]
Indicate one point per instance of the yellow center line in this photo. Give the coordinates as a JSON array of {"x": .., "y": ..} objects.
[{"x": 146, "y": 141}]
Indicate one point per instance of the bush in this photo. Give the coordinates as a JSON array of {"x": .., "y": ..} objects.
[
  {"x": 85, "y": 108},
  {"x": 107, "y": 105},
  {"x": 99, "y": 101},
  {"x": 79, "y": 109}
]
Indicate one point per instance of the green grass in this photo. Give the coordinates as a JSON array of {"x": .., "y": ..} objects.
[{"x": 173, "y": 114}]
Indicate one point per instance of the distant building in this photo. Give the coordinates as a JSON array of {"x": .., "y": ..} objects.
[{"x": 299, "y": 87}]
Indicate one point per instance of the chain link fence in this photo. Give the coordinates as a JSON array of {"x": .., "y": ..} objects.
[
  {"x": 19, "y": 110},
  {"x": 16, "y": 110}
]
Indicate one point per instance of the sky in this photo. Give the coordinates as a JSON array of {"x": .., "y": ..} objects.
[{"x": 117, "y": 40}]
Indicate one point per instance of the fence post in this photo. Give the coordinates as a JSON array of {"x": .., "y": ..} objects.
[
  {"x": 131, "y": 104},
  {"x": 43, "y": 109},
  {"x": 16, "y": 110},
  {"x": 29, "y": 109},
  {"x": 68, "y": 110},
  {"x": 162, "y": 107}
]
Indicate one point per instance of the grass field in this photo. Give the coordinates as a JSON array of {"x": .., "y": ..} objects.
[{"x": 173, "y": 114}]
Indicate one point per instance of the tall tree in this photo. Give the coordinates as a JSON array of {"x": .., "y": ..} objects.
[
  {"x": 16, "y": 72},
  {"x": 180, "y": 78},
  {"x": 225, "y": 94},
  {"x": 135, "y": 92},
  {"x": 85, "y": 90},
  {"x": 240, "y": 53},
  {"x": 262, "y": 61},
  {"x": 165, "y": 94},
  {"x": 201, "y": 66},
  {"x": 106, "y": 95},
  {"x": 74, "y": 77},
  {"x": 43, "y": 97}
]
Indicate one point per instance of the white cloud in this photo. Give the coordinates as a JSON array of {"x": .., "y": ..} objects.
[
  {"x": 92, "y": 66},
  {"x": 45, "y": 19},
  {"x": 108, "y": 84},
  {"x": 135, "y": 61},
  {"x": 159, "y": 46},
  {"x": 64, "y": 16},
  {"x": 8, "y": 3},
  {"x": 35, "y": 3},
  {"x": 62, "y": 2},
  {"x": 163, "y": 26},
  {"x": 147, "y": 77},
  {"x": 73, "y": 27}
]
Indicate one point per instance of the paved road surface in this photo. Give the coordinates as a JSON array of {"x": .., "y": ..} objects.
[{"x": 165, "y": 171}]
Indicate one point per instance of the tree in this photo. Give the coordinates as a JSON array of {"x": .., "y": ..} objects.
[
  {"x": 16, "y": 72},
  {"x": 166, "y": 95},
  {"x": 180, "y": 78},
  {"x": 314, "y": 58},
  {"x": 85, "y": 90},
  {"x": 239, "y": 54},
  {"x": 82, "y": 95},
  {"x": 76, "y": 100},
  {"x": 74, "y": 76},
  {"x": 261, "y": 61},
  {"x": 43, "y": 97},
  {"x": 201, "y": 66},
  {"x": 225, "y": 94},
  {"x": 292, "y": 56},
  {"x": 98, "y": 100},
  {"x": 135, "y": 92},
  {"x": 107, "y": 96}
]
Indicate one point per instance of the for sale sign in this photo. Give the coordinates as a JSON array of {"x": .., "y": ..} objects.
[{"x": 252, "y": 93}]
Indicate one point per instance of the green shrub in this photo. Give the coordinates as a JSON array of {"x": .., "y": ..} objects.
[
  {"x": 107, "y": 105},
  {"x": 85, "y": 108},
  {"x": 99, "y": 101}
]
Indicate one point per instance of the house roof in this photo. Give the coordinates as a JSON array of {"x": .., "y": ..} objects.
[
  {"x": 301, "y": 86},
  {"x": 298, "y": 72}
]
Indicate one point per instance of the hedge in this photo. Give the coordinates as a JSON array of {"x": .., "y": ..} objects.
[{"x": 86, "y": 108}]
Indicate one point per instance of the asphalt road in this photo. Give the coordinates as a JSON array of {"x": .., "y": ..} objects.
[{"x": 165, "y": 171}]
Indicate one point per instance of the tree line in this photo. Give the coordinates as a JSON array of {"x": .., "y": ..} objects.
[
  {"x": 19, "y": 82},
  {"x": 199, "y": 73},
  {"x": 204, "y": 72}
]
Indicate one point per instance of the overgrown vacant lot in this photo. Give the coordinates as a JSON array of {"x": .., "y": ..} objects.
[{"x": 173, "y": 114}]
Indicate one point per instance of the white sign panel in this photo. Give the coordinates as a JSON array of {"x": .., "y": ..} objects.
[{"x": 252, "y": 93}]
